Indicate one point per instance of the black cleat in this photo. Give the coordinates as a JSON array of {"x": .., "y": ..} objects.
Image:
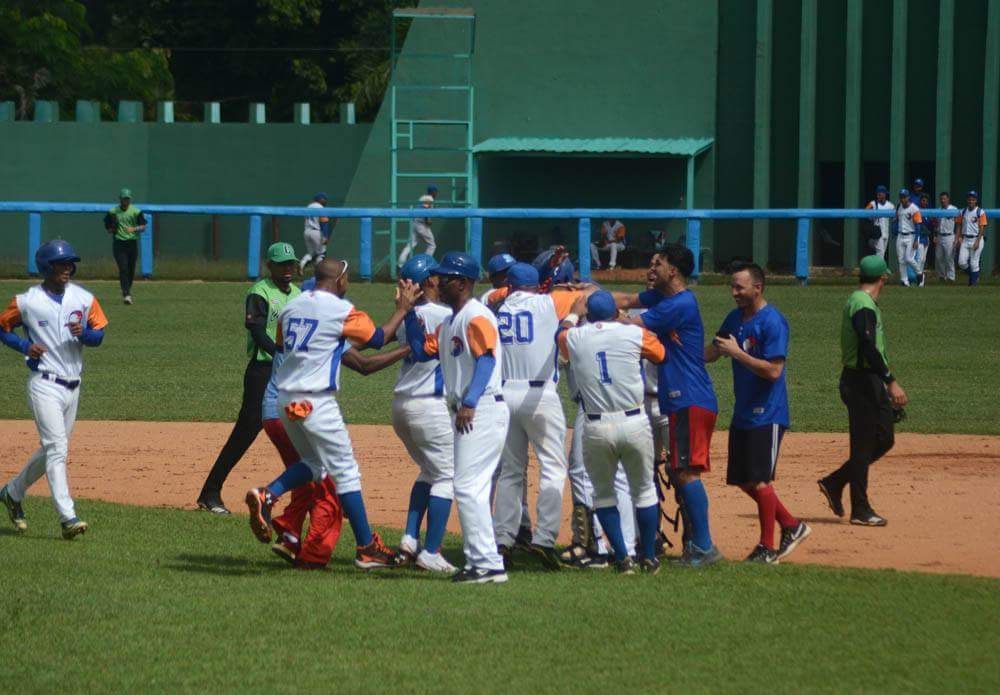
[
  {"x": 522, "y": 541},
  {"x": 213, "y": 505},
  {"x": 549, "y": 556},
  {"x": 626, "y": 566},
  {"x": 477, "y": 576},
  {"x": 867, "y": 518},
  {"x": 764, "y": 555},
  {"x": 791, "y": 537},
  {"x": 505, "y": 553},
  {"x": 649, "y": 566},
  {"x": 832, "y": 496}
]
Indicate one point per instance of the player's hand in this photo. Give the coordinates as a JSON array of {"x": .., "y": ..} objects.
[
  {"x": 727, "y": 345},
  {"x": 35, "y": 351},
  {"x": 463, "y": 419},
  {"x": 407, "y": 294},
  {"x": 897, "y": 395},
  {"x": 76, "y": 329},
  {"x": 579, "y": 306},
  {"x": 975, "y": 244},
  {"x": 916, "y": 245}
]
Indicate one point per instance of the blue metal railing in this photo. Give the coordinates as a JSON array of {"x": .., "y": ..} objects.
[{"x": 694, "y": 218}]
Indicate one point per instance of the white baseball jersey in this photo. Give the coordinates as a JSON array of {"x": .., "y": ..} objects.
[
  {"x": 972, "y": 221},
  {"x": 426, "y": 201},
  {"x": 46, "y": 321},
  {"x": 313, "y": 331},
  {"x": 613, "y": 231},
  {"x": 421, "y": 379},
  {"x": 604, "y": 359},
  {"x": 881, "y": 222},
  {"x": 528, "y": 323},
  {"x": 460, "y": 339},
  {"x": 908, "y": 217},
  {"x": 946, "y": 225},
  {"x": 312, "y": 224},
  {"x": 650, "y": 373}
]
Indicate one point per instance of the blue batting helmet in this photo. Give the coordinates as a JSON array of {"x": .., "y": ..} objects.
[
  {"x": 458, "y": 264},
  {"x": 500, "y": 263},
  {"x": 319, "y": 196},
  {"x": 904, "y": 193},
  {"x": 418, "y": 268},
  {"x": 522, "y": 275},
  {"x": 432, "y": 189},
  {"x": 54, "y": 251},
  {"x": 972, "y": 194},
  {"x": 881, "y": 189},
  {"x": 918, "y": 182},
  {"x": 601, "y": 306}
]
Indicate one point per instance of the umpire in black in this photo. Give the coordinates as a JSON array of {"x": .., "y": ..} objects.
[
  {"x": 265, "y": 300},
  {"x": 873, "y": 397}
]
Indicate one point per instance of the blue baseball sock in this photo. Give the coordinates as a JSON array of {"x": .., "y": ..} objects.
[
  {"x": 696, "y": 500},
  {"x": 647, "y": 520},
  {"x": 438, "y": 511},
  {"x": 354, "y": 509},
  {"x": 974, "y": 278},
  {"x": 420, "y": 493},
  {"x": 611, "y": 522},
  {"x": 296, "y": 475}
]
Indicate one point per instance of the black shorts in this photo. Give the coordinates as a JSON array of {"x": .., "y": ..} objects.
[{"x": 753, "y": 454}]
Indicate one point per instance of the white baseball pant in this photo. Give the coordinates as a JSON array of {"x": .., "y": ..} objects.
[
  {"x": 422, "y": 232},
  {"x": 660, "y": 425},
  {"x": 615, "y": 438},
  {"x": 315, "y": 247},
  {"x": 477, "y": 454},
  {"x": 536, "y": 417},
  {"x": 881, "y": 244},
  {"x": 425, "y": 428},
  {"x": 612, "y": 248},
  {"x": 54, "y": 409},
  {"x": 944, "y": 257},
  {"x": 906, "y": 251},
  {"x": 322, "y": 440},
  {"x": 968, "y": 258}
]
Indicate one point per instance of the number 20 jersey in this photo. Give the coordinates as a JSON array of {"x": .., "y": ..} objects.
[
  {"x": 313, "y": 331},
  {"x": 528, "y": 323}
]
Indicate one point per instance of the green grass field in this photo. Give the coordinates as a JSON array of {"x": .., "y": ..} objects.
[
  {"x": 166, "y": 601},
  {"x": 178, "y": 354}
]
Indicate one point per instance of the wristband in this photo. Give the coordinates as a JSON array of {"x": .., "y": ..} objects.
[{"x": 572, "y": 318}]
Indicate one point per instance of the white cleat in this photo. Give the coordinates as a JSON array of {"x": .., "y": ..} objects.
[
  {"x": 128, "y": 299},
  {"x": 434, "y": 562}
]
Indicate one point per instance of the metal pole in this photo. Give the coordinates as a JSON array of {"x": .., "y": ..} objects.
[
  {"x": 802, "y": 251},
  {"x": 807, "y": 112},
  {"x": 762, "y": 130},
  {"x": 991, "y": 112},
  {"x": 146, "y": 247},
  {"x": 852, "y": 129},
  {"x": 694, "y": 243},
  {"x": 365, "y": 250},
  {"x": 583, "y": 238},
  {"x": 476, "y": 238},
  {"x": 253, "y": 247},
  {"x": 34, "y": 239},
  {"x": 945, "y": 88},
  {"x": 215, "y": 237}
]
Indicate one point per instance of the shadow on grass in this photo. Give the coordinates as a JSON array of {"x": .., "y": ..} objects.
[{"x": 227, "y": 565}]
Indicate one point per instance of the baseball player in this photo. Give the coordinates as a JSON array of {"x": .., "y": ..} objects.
[
  {"x": 973, "y": 237},
  {"x": 528, "y": 323},
  {"x": 755, "y": 337},
  {"x": 908, "y": 218},
  {"x": 314, "y": 330},
  {"x": 420, "y": 229},
  {"x": 59, "y": 318},
  {"x": 604, "y": 357},
  {"x": 470, "y": 352},
  {"x": 125, "y": 222},
  {"x": 554, "y": 268},
  {"x": 497, "y": 268},
  {"x": 880, "y": 225},
  {"x": 685, "y": 390},
  {"x": 944, "y": 254},
  {"x": 422, "y": 421},
  {"x": 316, "y": 232},
  {"x": 612, "y": 240},
  {"x": 924, "y": 231}
]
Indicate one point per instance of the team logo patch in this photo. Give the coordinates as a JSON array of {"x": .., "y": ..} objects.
[
  {"x": 43, "y": 323},
  {"x": 74, "y": 317},
  {"x": 456, "y": 346},
  {"x": 749, "y": 343}
]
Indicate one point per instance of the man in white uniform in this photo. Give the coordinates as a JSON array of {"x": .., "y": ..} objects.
[
  {"x": 422, "y": 421},
  {"x": 612, "y": 240},
  {"x": 604, "y": 356},
  {"x": 313, "y": 331},
  {"x": 420, "y": 229},
  {"x": 470, "y": 352},
  {"x": 907, "y": 244},
  {"x": 944, "y": 256},
  {"x": 880, "y": 225},
  {"x": 59, "y": 318},
  {"x": 316, "y": 232},
  {"x": 973, "y": 237}
]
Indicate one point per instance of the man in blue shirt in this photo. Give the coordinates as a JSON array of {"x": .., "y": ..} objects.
[
  {"x": 684, "y": 387},
  {"x": 755, "y": 336}
]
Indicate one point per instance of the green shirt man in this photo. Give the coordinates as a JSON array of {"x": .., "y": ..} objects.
[
  {"x": 125, "y": 221},
  {"x": 265, "y": 300},
  {"x": 863, "y": 312}
]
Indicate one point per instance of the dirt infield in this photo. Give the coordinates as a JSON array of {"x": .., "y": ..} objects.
[{"x": 938, "y": 491}]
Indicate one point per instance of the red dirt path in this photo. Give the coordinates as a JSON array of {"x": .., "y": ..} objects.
[{"x": 938, "y": 491}]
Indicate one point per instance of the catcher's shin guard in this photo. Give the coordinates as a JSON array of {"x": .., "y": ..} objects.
[{"x": 582, "y": 525}]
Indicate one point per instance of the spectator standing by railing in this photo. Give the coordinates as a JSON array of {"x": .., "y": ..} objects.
[
  {"x": 880, "y": 225},
  {"x": 944, "y": 240},
  {"x": 125, "y": 222},
  {"x": 316, "y": 232}
]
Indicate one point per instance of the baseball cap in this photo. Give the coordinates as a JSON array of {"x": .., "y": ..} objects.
[
  {"x": 972, "y": 194},
  {"x": 500, "y": 263},
  {"x": 873, "y": 266},
  {"x": 522, "y": 275},
  {"x": 601, "y": 306},
  {"x": 881, "y": 189},
  {"x": 125, "y": 193},
  {"x": 281, "y": 252},
  {"x": 320, "y": 196},
  {"x": 432, "y": 189},
  {"x": 918, "y": 182},
  {"x": 904, "y": 192},
  {"x": 458, "y": 264}
]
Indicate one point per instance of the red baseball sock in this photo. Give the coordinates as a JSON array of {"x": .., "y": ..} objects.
[
  {"x": 766, "y": 503},
  {"x": 784, "y": 517}
]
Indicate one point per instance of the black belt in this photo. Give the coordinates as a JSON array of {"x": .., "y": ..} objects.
[
  {"x": 535, "y": 384},
  {"x": 498, "y": 398},
  {"x": 71, "y": 384},
  {"x": 628, "y": 413}
]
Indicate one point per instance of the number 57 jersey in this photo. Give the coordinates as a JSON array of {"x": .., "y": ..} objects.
[{"x": 313, "y": 332}]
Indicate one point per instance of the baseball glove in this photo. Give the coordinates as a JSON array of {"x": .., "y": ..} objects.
[{"x": 898, "y": 415}]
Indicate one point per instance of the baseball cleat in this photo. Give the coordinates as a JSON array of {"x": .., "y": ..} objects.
[
  {"x": 73, "y": 528},
  {"x": 791, "y": 537},
  {"x": 215, "y": 506},
  {"x": 477, "y": 576},
  {"x": 127, "y": 299},
  {"x": 522, "y": 541},
  {"x": 649, "y": 565},
  {"x": 285, "y": 551},
  {"x": 434, "y": 562},
  {"x": 694, "y": 556},
  {"x": 505, "y": 552},
  {"x": 409, "y": 548},
  {"x": 259, "y": 505},
  {"x": 832, "y": 496},
  {"x": 598, "y": 561},
  {"x": 763, "y": 554},
  {"x": 375, "y": 555},
  {"x": 575, "y": 556},
  {"x": 549, "y": 556},
  {"x": 867, "y": 518},
  {"x": 626, "y": 566},
  {"x": 14, "y": 511}
]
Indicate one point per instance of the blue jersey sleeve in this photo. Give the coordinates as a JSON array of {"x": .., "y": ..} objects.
[
  {"x": 650, "y": 298},
  {"x": 731, "y": 323},
  {"x": 667, "y": 315},
  {"x": 774, "y": 337}
]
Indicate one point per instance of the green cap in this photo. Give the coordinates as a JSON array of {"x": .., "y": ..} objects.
[
  {"x": 281, "y": 253},
  {"x": 125, "y": 193},
  {"x": 873, "y": 266}
]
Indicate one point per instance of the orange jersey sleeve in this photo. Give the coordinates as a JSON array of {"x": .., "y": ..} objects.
[
  {"x": 621, "y": 233},
  {"x": 869, "y": 206},
  {"x": 95, "y": 317},
  {"x": 481, "y": 336},
  {"x": 11, "y": 316},
  {"x": 358, "y": 327},
  {"x": 561, "y": 341},
  {"x": 917, "y": 217},
  {"x": 563, "y": 300},
  {"x": 652, "y": 348},
  {"x": 982, "y": 218},
  {"x": 497, "y": 295},
  {"x": 431, "y": 343}
]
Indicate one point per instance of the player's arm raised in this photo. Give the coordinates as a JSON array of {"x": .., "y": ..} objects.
[
  {"x": 652, "y": 348},
  {"x": 361, "y": 330},
  {"x": 369, "y": 364}
]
